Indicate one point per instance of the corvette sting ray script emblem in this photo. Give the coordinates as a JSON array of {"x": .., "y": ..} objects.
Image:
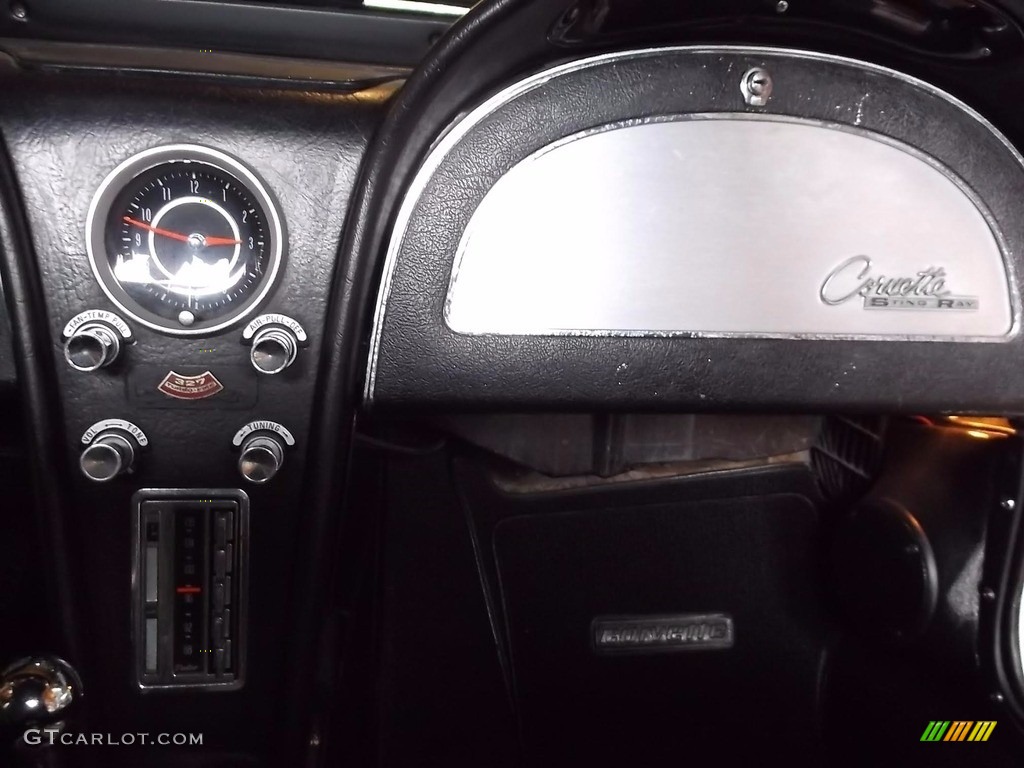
[{"x": 925, "y": 290}]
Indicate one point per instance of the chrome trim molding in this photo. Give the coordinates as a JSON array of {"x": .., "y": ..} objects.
[
  {"x": 449, "y": 140},
  {"x": 418, "y": 6}
]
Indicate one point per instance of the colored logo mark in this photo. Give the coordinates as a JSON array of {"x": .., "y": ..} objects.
[{"x": 958, "y": 730}]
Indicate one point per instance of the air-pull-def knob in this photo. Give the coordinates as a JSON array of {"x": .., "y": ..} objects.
[
  {"x": 111, "y": 449},
  {"x": 275, "y": 340},
  {"x": 262, "y": 446},
  {"x": 94, "y": 339},
  {"x": 273, "y": 350}
]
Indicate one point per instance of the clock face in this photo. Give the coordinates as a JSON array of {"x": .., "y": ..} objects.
[{"x": 187, "y": 243}]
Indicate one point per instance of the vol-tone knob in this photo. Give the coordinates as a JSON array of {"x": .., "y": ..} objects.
[
  {"x": 261, "y": 458},
  {"x": 91, "y": 347},
  {"x": 110, "y": 454},
  {"x": 273, "y": 349}
]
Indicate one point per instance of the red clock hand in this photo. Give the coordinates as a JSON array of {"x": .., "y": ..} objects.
[
  {"x": 221, "y": 241},
  {"x": 179, "y": 236},
  {"x": 157, "y": 230}
]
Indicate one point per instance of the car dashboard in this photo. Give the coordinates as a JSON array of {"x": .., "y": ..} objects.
[{"x": 552, "y": 381}]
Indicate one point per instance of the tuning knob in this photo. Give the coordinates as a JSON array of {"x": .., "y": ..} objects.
[
  {"x": 262, "y": 456},
  {"x": 273, "y": 350},
  {"x": 91, "y": 347}
]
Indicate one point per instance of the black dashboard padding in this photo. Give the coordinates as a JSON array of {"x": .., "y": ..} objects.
[
  {"x": 420, "y": 361},
  {"x": 8, "y": 374},
  {"x": 40, "y": 414},
  {"x": 65, "y": 133},
  {"x": 343, "y": 30}
]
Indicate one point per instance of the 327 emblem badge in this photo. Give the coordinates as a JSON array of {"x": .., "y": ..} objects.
[
  {"x": 190, "y": 387},
  {"x": 925, "y": 290}
]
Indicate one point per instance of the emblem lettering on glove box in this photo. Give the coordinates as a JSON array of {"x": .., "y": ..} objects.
[
  {"x": 197, "y": 387},
  {"x": 651, "y": 634},
  {"x": 924, "y": 290}
]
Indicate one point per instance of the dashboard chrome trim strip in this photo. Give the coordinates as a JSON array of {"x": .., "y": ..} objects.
[
  {"x": 449, "y": 140},
  {"x": 417, "y": 6}
]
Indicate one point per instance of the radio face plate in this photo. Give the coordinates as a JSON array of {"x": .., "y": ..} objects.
[{"x": 189, "y": 588}]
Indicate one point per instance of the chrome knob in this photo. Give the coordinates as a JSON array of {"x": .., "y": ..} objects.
[
  {"x": 110, "y": 454},
  {"x": 37, "y": 689},
  {"x": 91, "y": 347},
  {"x": 273, "y": 349},
  {"x": 262, "y": 456}
]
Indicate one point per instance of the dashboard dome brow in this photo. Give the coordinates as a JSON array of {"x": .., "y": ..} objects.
[
  {"x": 633, "y": 230},
  {"x": 730, "y": 224}
]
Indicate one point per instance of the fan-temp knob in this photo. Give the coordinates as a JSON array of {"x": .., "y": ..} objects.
[{"x": 91, "y": 347}]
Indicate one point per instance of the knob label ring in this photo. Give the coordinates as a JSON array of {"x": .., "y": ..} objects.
[
  {"x": 274, "y": 318},
  {"x": 125, "y": 426},
  {"x": 182, "y": 387},
  {"x": 98, "y": 315},
  {"x": 263, "y": 426}
]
